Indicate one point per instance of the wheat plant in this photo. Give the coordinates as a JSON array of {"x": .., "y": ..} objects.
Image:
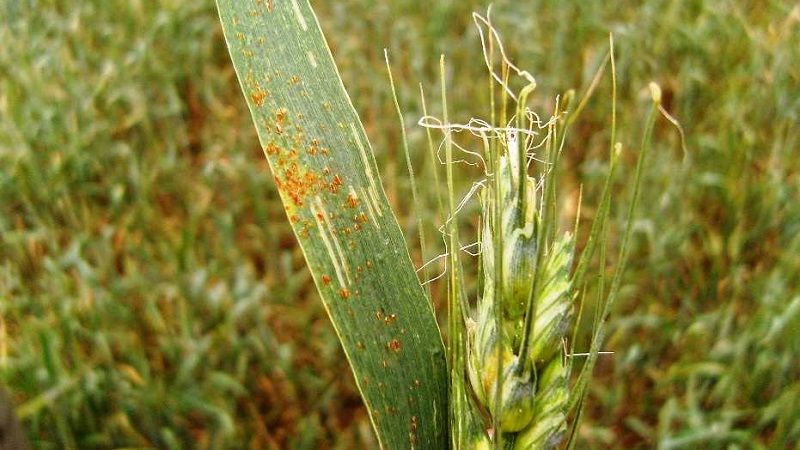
[{"x": 505, "y": 380}]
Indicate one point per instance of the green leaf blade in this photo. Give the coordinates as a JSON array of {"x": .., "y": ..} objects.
[{"x": 329, "y": 184}]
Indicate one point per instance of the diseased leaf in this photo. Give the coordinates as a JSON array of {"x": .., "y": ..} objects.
[{"x": 325, "y": 171}]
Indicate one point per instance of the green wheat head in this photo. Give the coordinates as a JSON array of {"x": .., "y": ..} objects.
[
  {"x": 509, "y": 354},
  {"x": 533, "y": 324},
  {"x": 515, "y": 346}
]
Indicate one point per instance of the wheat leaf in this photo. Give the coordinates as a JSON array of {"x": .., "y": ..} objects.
[{"x": 326, "y": 174}]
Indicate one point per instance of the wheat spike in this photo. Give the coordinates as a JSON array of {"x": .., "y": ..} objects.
[{"x": 534, "y": 391}]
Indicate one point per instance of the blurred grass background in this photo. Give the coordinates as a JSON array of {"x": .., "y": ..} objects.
[{"x": 152, "y": 295}]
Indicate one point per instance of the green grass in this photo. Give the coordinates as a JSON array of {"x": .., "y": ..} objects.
[{"x": 152, "y": 295}]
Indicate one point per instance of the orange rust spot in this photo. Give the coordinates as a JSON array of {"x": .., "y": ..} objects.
[
  {"x": 294, "y": 218},
  {"x": 369, "y": 264},
  {"x": 294, "y": 79},
  {"x": 379, "y": 314},
  {"x": 326, "y": 171},
  {"x": 272, "y": 149},
  {"x": 363, "y": 218},
  {"x": 335, "y": 184},
  {"x": 326, "y": 279},
  {"x": 344, "y": 293},
  {"x": 357, "y": 227},
  {"x": 296, "y": 185},
  {"x": 351, "y": 199},
  {"x": 314, "y": 148},
  {"x": 269, "y": 5},
  {"x": 390, "y": 319},
  {"x": 394, "y": 344},
  {"x": 258, "y": 96}
]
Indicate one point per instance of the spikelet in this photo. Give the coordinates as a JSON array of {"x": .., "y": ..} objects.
[
  {"x": 549, "y": 424},
  {"x": 553, "y": 305},
  {"x": 518, "y": 229}
]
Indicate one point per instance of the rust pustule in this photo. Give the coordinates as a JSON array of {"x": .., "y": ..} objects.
[{"x": 258, "y": 96}]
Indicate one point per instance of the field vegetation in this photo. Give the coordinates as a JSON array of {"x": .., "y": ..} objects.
[{"x": 152, "y": 294}]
